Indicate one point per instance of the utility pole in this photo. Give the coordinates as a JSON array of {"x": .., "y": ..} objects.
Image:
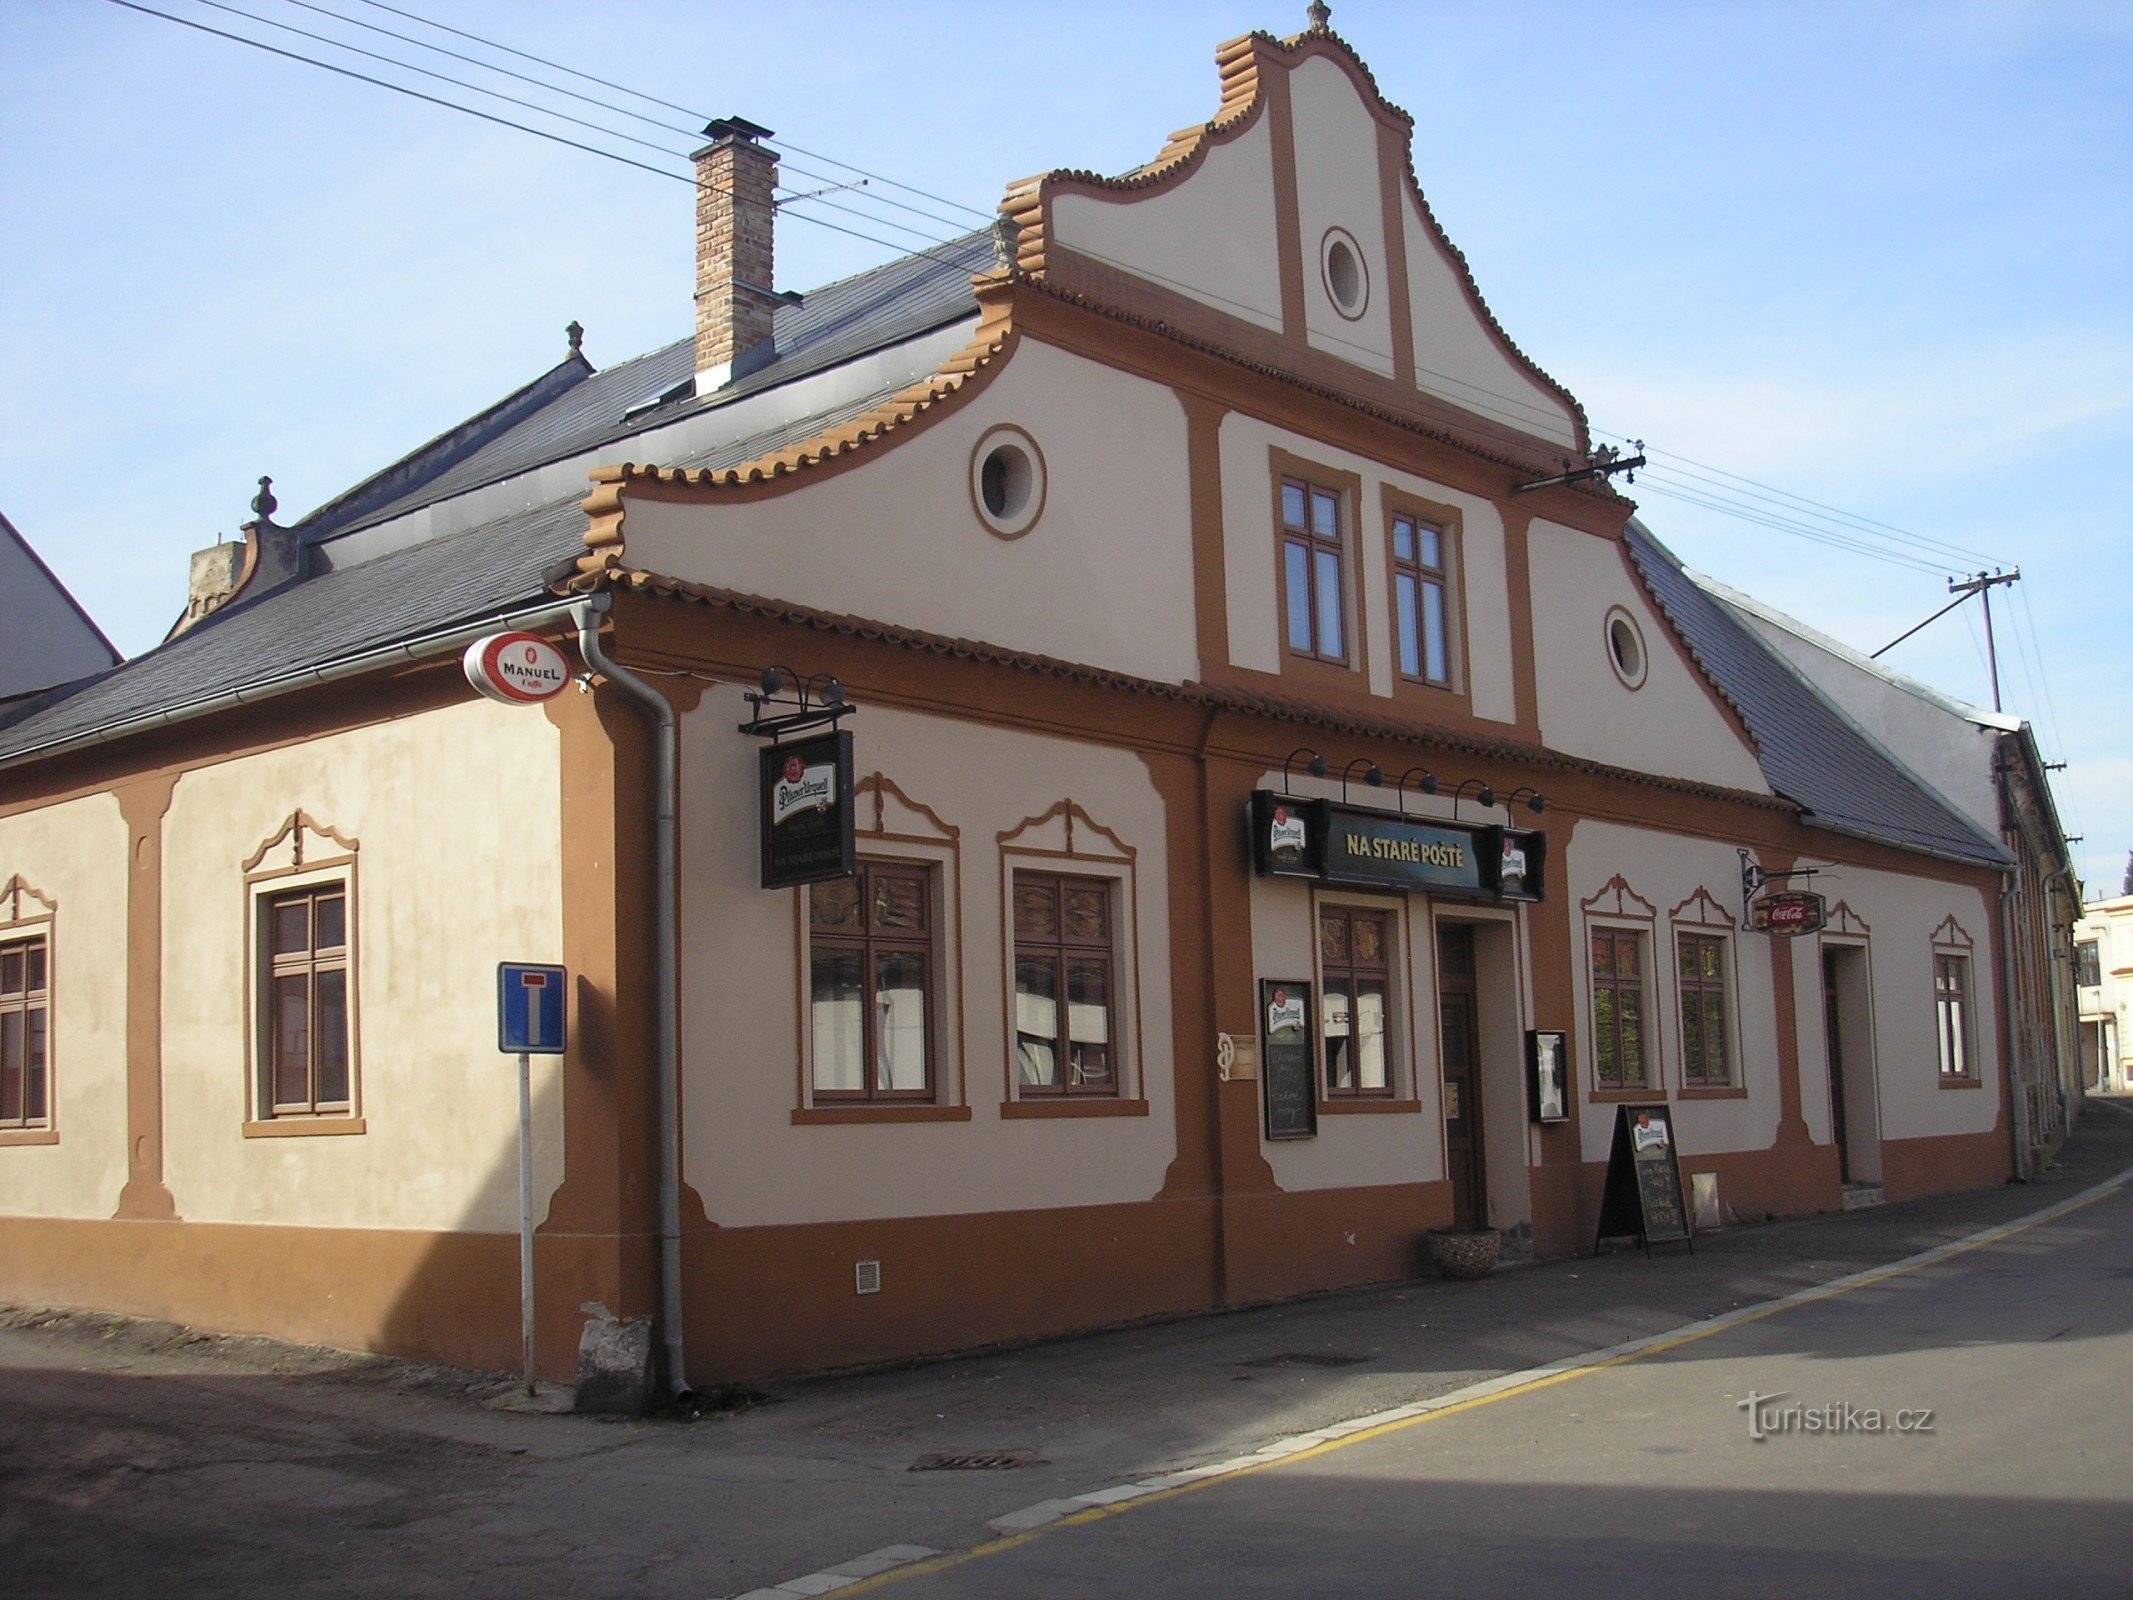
[{"x": 1982, "y": 585}]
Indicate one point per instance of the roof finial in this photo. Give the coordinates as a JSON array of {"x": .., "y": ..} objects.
[
  {"x": 1321, "y": 16},
  {"x": 264, "y": 502},
  {"x": 575, "y": 332}
]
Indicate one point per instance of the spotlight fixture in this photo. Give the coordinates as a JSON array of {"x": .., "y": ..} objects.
[
  {"x": 1536, "y": 802},
  {"x": 1486, "y": 798},
  {"x": 1374, "y": 775},
  {"x": 1316, "y": 766},
  {"x": 1428, "y": 785}
]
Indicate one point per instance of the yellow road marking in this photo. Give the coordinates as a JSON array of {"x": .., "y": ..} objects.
[{"x": 1867, "y": 1279}]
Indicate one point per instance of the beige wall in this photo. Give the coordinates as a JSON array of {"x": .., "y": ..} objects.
[
  {"x": 1337, "y": 186},
  {"x": 1253, "y": 582},
  {"x": 1672, "y": 724},
  {"x": 75, "y": 854},
  {"x": 456, "y": 813},
  {"x": 1665, "y": 870},
  {"x": 1164, "y": 237},
  {"x": 741, "y": 995},
  {"x": 899, "y": 537},
  {"x": 1901, "y": 914}
]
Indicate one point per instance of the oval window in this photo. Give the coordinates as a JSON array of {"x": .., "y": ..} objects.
[
  {"x": 1347, "y": 280},
  {"x": 1625, "y": 647},
  {"x": 1007, "y": 481}
]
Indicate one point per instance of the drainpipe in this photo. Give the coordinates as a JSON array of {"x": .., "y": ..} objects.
[
  {"x": 2052, "y": 994},
  {"x": 2017, "y": 1099},
  {"x": 666, "y": 856}
]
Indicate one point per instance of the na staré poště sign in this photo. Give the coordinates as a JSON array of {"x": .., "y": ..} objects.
[
  {"x": 805, "y": 795},
  {"x": 1337, "y": 843},
  {"x": 516, "y": 668}
]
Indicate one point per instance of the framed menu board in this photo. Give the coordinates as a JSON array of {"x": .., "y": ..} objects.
[
  {"x": 1643, "y": 1195},
  {"x": 1286, "y": 1067}
]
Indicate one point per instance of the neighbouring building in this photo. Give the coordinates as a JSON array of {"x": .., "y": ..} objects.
[
  {"x": 1987, "y": 764},
  {"x": 46, "y": 638},
  {"x": 1262, "y": 777},
  {"x": 2103, "y": 973}
]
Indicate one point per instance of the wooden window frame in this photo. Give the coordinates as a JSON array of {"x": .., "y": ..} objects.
[
  {"x": 20, "y": 939},
  {"x": 1443, "y": 577},
  {"x": 1352, "y": 972},
  {"x": 1954, "y": 1036},
  {"x": 2088, "y": 964},
  {"x": 1315, "y": 547},
  {"x": 1705, "y": 991},
  {"x": 867, "y": 943},
  {"x": 1648, "y": 1081},
  {"x": 313, "y": 962},
  {"x": 1060, "y": 949}
]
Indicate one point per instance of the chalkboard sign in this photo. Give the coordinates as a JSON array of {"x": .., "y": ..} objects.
[
  {"x": 1644, "y": 1181},
  {"x": 1285, "y": 1064}
]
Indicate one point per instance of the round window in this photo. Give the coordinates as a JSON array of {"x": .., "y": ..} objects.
[
  {"x": 1007, "y": 481},
  {"x": 1625, "y": 647},
  {"x": 1347, "y": 280}
]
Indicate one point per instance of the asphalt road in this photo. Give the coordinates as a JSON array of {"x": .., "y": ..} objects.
[{"x": 1644, "y": 1478}]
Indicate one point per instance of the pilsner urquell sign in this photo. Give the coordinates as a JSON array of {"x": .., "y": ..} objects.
[{"x": 805, "y": 792}]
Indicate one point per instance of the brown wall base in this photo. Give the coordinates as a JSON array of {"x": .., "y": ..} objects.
[
  {"x": 1913, "y": 1167},
  {"x": 447, "y": 1297}
]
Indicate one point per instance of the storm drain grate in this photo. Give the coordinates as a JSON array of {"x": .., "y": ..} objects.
[
  {"x": 1306, "y": 1358},
  {"x": 975, "y": 1461}
]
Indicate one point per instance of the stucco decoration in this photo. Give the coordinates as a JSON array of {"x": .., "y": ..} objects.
[
  {"x": 1066, "y": 829},
  {"x": 1615, "y": 898},
  {"x": 884, "y": 811},
  {"x": 1844, "y": 920},
  {"x": 1701, "y": 910},
  {"x": 20, "y": 901},
  {"x": 294, "y": 833},
  {"x": 1950, "y": 936}
]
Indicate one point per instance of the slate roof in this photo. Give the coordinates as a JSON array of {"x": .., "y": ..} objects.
[
  {"x": 578, "y": 409},
  {"x": 1811, "y": 752}
]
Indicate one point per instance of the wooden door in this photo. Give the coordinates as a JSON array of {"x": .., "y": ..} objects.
[{"x": 1461, "y": 1058}]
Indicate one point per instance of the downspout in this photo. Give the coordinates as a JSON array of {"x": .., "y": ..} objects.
[
  {"x": 2052, "y": 994},
  {"x": 666, "y": 855},
  {"x": 2017, "y": 1100}
]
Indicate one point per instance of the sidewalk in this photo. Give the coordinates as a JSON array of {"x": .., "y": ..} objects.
[{"x": 137, "y": 1459}]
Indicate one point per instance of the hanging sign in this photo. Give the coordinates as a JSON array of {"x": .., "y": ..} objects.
[
  {"x": 1522, "y": 856},
  {"x": 1285, "y": 1059},
  {"x": 1643, "y": 1195},
  {"x": 518, "y": 669},
  {"x": 1788, "y": 913},
  {"x": 805, "y": 795},
  {"x": 1288, "y": 835}
]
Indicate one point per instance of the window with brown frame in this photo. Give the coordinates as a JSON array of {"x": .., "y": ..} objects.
[
  {"x": 25, "y": 1034},
  {"x": 1065, "y": 964},
  {"x": 1951, "y": 991},
  {"x": 1313, "y": 560},
  {"x": 1705, "y": 1057},
  {"x": 1421, "y": 601},
  {"x": 306, "y": 1002},
  {"x": 871, "y": 985},
  {"x": 1354, "y": 957},
  {"x": 1618, "y": 1008}
]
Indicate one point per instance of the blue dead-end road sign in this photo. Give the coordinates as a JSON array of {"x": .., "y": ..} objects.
[{"x": 529, "y": 1009}]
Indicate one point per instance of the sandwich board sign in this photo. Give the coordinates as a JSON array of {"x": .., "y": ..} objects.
[
  {"x": 530, "y": 1014},
  {"x": 1643, "y": 1196}
]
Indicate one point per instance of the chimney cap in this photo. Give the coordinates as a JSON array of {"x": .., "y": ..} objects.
[{"x": 736, "y": 128}]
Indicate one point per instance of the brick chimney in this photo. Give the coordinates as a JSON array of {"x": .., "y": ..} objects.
[{"x": 736, "y": 177}]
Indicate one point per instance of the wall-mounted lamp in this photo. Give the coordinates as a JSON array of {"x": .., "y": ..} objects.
[
  {"x": 788, "y": 703},
  {"x": 1536, "y": 802},
  {"x": 1428, "y": 785},
  {"x": 1486, "y": 798},
  {"x": 1316, "y": 766},
  {"x": 1373, "y": 774}
]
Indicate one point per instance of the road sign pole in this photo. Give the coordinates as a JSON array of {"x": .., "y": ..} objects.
[{"x": 525, "y": 1212}]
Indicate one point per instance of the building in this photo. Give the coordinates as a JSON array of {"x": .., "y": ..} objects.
[
  {"x": 46, "y": 638},
  {"x": 2103, "y": 968},
  {"x": 1283, "y": 821},
  {"x": 1986, "y": 763}
]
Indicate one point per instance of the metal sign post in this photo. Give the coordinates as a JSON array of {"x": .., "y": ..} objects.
[{"x": 530, "y": 1021}]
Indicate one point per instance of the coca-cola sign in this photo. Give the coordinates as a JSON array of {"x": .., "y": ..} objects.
[{"x": 1788, "y": 913}]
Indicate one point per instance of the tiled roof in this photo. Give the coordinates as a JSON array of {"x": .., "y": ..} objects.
[
  {"x": 833, "y": 324},
  {"x": 1810, "y": 751}
]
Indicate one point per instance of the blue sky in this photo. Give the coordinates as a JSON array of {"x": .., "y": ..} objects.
[{"x": 1881, "y": 257}]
